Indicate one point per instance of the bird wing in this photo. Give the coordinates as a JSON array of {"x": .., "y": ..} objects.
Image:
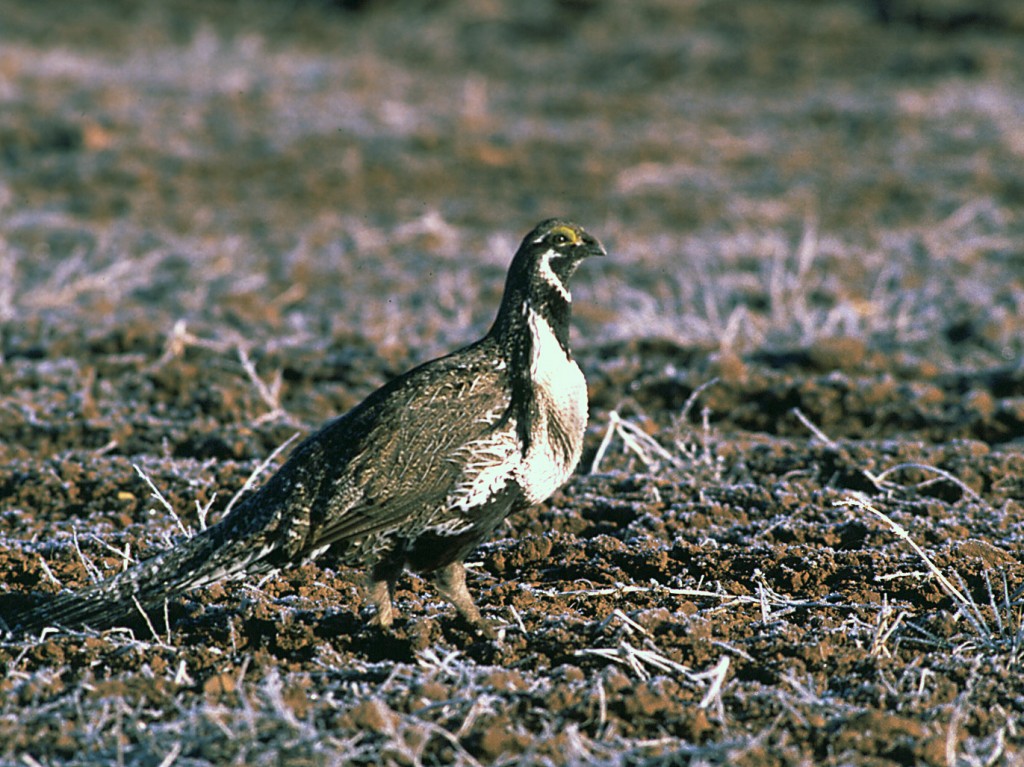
[{"x": 408, "y": 447}]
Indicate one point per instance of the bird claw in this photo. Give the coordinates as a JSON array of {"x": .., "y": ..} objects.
[{"x": 488, "y": 628}]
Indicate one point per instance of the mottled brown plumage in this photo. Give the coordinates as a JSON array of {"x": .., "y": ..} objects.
[{"x": 417, "y": 475}]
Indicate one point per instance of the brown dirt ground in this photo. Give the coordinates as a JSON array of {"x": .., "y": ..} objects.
[{"x": 797, "y": 533}]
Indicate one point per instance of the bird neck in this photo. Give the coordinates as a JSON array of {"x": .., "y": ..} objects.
[
  {"x": 520, "y": 331},
  {"x": 512, "y": 327}
]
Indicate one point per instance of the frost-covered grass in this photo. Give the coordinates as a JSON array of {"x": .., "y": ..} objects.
[{"x": 221, "y": 226}]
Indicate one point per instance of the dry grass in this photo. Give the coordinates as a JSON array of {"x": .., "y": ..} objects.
[{"x": 799, "y": 539}]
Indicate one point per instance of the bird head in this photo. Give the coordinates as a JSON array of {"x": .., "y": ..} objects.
[
  {"x": 538, "y": 278},
  {"x": 549, "y": 255}
]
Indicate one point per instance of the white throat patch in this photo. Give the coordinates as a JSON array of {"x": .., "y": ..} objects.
[{"x": 549, "y": 276}]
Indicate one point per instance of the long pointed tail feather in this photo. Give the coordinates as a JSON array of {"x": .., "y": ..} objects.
[{"x": 212, "y": 555}]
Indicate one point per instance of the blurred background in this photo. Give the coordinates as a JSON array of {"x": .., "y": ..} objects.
[
  {"x": 764, "y": 173},
  {"x": 224, "y": 222}
]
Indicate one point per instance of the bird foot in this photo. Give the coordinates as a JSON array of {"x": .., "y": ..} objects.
[
  {"x": 380, "y": 595},
  {"x": 487, "y": 627}
]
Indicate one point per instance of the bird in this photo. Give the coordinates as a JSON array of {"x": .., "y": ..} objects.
[{"x": 416, "y": 476}]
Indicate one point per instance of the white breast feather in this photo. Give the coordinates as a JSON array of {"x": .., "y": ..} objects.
[
  {"x": 489, "y": 462},
  {"x": 561, "y": 393}
]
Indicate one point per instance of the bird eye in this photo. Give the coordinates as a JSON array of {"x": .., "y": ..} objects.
[{"x": 562, "y": 235}]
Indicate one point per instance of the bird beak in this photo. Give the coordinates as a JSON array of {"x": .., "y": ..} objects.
[{"x": 591, "y": 247}]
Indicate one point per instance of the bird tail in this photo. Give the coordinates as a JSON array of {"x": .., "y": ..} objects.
[{"x": 216, "y": 553}]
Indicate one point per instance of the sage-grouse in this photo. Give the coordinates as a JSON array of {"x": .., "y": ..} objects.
[{"x": 417, "y": 475}]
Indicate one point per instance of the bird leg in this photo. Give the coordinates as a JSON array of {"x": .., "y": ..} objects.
[
  {"x": 382, "y": 591},
  {"x": 450, "y": 582}
]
